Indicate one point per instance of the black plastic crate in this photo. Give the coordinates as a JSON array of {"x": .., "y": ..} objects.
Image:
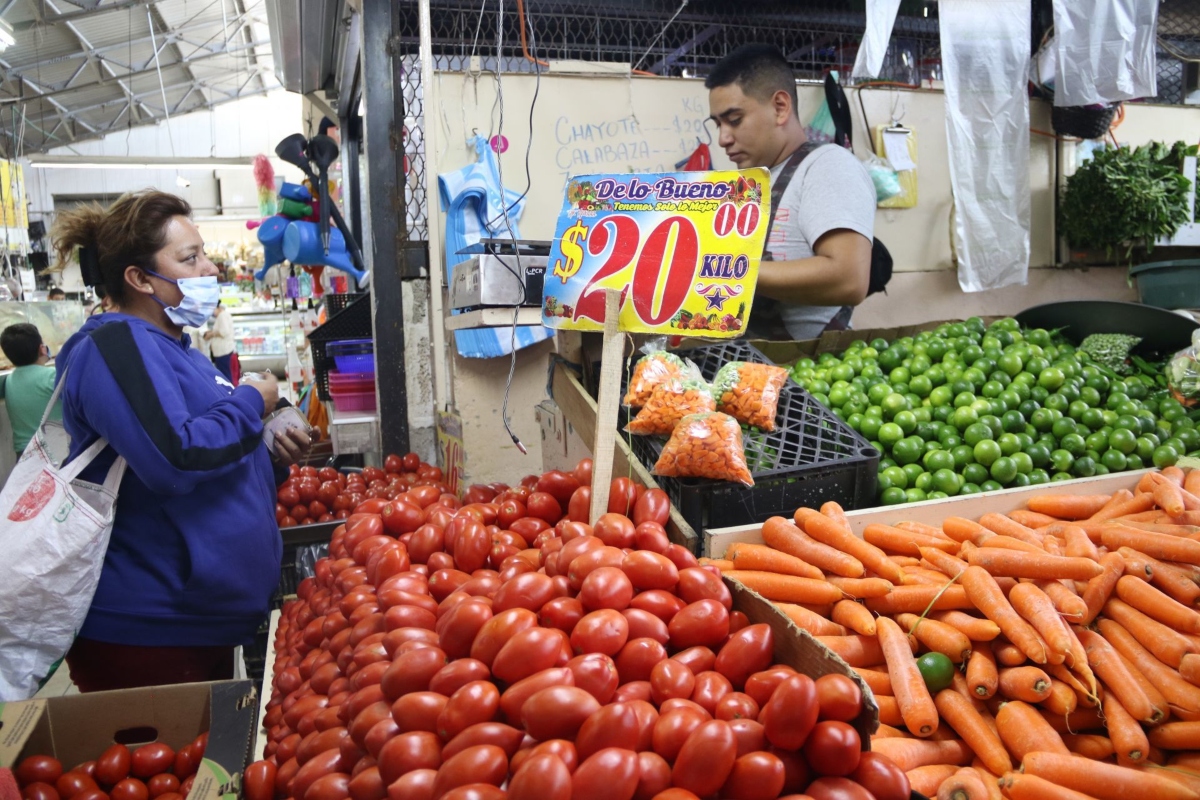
[
  {"x": 810, "y": 458},
  {"x": 336, "y": 303},
  {"x": 353, "y": 322}
]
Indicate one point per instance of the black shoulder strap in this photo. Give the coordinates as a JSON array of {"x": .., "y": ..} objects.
[{"x": 781, "y": 184}]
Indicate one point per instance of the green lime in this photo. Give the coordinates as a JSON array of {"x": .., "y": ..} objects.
[
  {"x": 1051, "y": 378},
  {"x": 948, "y": 481},
  {"x": 964, "y": 417},
  {"x": 937, "y": 670},
  {"x": 906, "y": 420},
  {"x": 895, "y": 477},
  {"x": 890, "y": 433},
  {"x": 893, "y": 404},
  {"x": 975, "y": 473},
  {"x": 870, "y": 427},
  {"x": 1042, "y": 419},
  {"x": 912, "y": 471},
  {"x": 976, "y": 433},
  {"x": 938, "y": 460},
  {"x": 1165, "y": 456},
  {"x": 1084, "y": 467},
  {"x": 1038, "y": 476},
  {"x": 1061, "y": 476},
  {"x": 1009, "y": 444},
  {"x": 1057, "y": 401},
  {"x": 987, "y": 451},
  {"x": 1134, "y": 461},
  {"x": 963, "y": 455},
  {"x": 1093, "y": 418},
  {"x": 1061, "y": 460},
  {"x": 1024, "y": 463},
  {"x": 1114, "y": 459},
  {"x": 991, "y": 389},
  {"x": 893, "y": 496},
  {"x": 1013, "y": 421},
  {"x": 907, "y": 450},
  {"x": 1074, "y": 444},
  {"x": 1097, "y": 441},
  {"x": 915, "y": 495},
  {"x": 1039, "y": 454},
  {"x": 1003, "y": 469}
]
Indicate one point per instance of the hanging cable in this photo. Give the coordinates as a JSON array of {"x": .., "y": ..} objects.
[
  {"x": 660, "y": 35},
  {"x": 161, "y": 87}
]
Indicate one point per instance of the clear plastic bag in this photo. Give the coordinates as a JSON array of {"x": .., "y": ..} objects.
[
  {"x": 749, "y": 392},
  {"x": 705, "y": 446},
  {"x": 657, "y": 366},
  {"x": 1183, "y": 373},
  {"x": 669, "y": 403},
  {"x": 885, "y": 179}
]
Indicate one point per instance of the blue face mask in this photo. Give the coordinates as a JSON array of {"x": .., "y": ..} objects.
[{"x": 200, "y": 298}]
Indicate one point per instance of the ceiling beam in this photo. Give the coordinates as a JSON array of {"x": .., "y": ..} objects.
[
  {"x": 46, "y": 20},
  {"x": 670, "y": 58}
]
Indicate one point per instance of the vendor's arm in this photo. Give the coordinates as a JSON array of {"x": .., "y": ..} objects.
[
  {"x": 838, "y": 273},
  {"x": 129, "y": 393}
]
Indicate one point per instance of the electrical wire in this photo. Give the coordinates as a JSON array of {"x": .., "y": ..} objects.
[{"x": 657, "y": 38}]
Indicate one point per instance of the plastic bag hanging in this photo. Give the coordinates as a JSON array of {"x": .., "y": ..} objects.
[
  {"x": 1104, "y": 51},
  {"x": 985, "y": 62},
  {"x": 881, "y": 16},
  {"x": 1183, "y": 373}
]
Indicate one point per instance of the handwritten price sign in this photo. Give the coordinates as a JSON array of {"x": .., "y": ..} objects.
[{"x": 683, "y": 249}]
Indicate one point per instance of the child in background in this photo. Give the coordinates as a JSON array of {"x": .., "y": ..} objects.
[{"x": 27, "y": 390}]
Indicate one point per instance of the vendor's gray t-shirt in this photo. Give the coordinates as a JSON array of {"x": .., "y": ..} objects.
[{"x": 830, "y": 190}]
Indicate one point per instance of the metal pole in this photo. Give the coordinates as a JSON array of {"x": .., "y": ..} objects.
[
  {"x": 383, "y": 99},
  {"x": 442, "y": 396}
]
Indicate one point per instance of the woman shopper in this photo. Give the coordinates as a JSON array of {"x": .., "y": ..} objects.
[
  {"x": 195, "y": 550},
  {"x": 220, "y": 340}
]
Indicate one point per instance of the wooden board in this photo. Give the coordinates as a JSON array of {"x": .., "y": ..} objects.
[
  {"x": 580, "y": 410},
  {"x": 264, "y": 697},
  {"x": 932, "y": 512}
]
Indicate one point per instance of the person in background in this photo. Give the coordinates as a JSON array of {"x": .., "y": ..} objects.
[
  {"x": 195, "y": 550},
  {"x": 56, "y": 293},
  {"x": 220, "y": 340},
  {"x": 820, "y": 243},
  {"x": 28, "y": 388}
]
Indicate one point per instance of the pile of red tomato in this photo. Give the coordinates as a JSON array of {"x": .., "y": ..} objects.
[
  {"x": 324, "y": 495},
  {"x": 149, "y": 772},
  {"x": 501, "y": 648}
]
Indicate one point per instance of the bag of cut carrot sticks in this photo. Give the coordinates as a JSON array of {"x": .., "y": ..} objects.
[
  {"x": 671, "y": 402},
  {"x": 657, "y": 366},
  {"x": 1183, "y": 373},
  {"x": 750, "y": 392},
  {"x": 705, "y": 446}
]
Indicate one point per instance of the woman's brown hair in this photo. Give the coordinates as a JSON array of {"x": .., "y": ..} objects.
[{"x": 130, "y": 232}]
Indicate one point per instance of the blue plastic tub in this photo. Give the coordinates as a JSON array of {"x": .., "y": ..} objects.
[{"x": 353, "y": 355}]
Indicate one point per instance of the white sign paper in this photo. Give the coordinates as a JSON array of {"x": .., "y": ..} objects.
[{"x": 895, "y": 146}]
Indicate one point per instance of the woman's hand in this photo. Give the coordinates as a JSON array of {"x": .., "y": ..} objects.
[
  {"x": 266, "y": 385},
  {"x": 292, "y": 446}
]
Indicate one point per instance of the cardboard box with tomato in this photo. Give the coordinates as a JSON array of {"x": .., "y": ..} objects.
[{"x": 78, "y": 728}]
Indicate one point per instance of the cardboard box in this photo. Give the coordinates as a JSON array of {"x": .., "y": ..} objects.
[
  {"x": 562, "y": 447},
  {"x": 78, "y": 728},
  {"x": 932, "y": 512}
]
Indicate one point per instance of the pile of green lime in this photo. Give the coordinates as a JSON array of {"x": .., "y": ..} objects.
[{"x": 969, "y": 407}]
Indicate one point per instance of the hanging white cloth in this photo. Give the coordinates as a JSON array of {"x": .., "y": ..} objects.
[
  {"x": 1104, "y": 51},
  {"x": 881, "y": 16}
]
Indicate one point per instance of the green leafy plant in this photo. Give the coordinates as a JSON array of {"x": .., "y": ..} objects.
[{"x": 1124, "y": 197}]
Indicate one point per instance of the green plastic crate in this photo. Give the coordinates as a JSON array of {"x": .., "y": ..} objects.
[{"x": 1168, "y": 284}]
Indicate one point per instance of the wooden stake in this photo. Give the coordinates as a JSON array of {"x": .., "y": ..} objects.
[{"x": 607, "y": 405}]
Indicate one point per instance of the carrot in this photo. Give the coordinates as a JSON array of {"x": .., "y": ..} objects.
[
  {"x": 879, "y": 681},
  {"x": 991, "y": 781},
  {"x": 948, "y": 564},
  {"x": 1115, "y": 673},
  {"x": 1068, "y": 506},
  {"x": 1079, "y": 663},
  {"x": 1167, "y": 645},
  {"x": 1038, "y": 610},
  {"x": 1029, "y": 684},
  {"x": 917, "y": 707},
  {"x": 1103, "y": 781},
  {"x": 854, "y": 616},
  {"x": 1189, "y": 761},
  {"x": 1128, "y": 738},
  {"x": 924, "y": 576},
  {"x": 937, "y": 636},
  {"x": 1065, "y": 599},
  {"x": 1023, "y": 730},
  {"x": 1174, "y": 687},
  {"x": 888, "y": 732},
  {"x": 1017, "y": 786},
  {"x": 830, "y": 532},
  {"x": 904, "y": 561},
  {"x": 1008, "y": 654},
  {"x": 917, "y": 599},
  {"x": 1000, "y": 524},
  {"x": 1009, "y": 543},
  {"x": 966, "y": 784},
  {"x": 768, "y": 559},
  {"x": 905, "y": 542},
  {"x": 1170, "y": 528},
  {"x": 1051, "y": 545},
  {"x": 1169, "y": 497},
  {"x": 1078, "y": 545},
  {"x": 787, "y": 538},
  {"x": 976, "y": 629},
  {"x": 810, "y": 621},
  {"x": 1158, "y": 606},
  {"x": 1116, "y": 499},
  {"x": 1061, "y": 699},
  {"x": 889, "y": 710},
  {"x": 926, "y": 780},
  {"x": 861, "y": 588},
  {"x": 982, "y": 675},
  {"x": 1031, "y": 519},
  {"x": 964, "y": 530},
  {"x": 1136, "y": 565},
  {"x": 1081, "y": 719},
  {"x": 1189, "y": 666},
  {"x": 1176, "y": 736},
  {"x": 921, "y": 527},
  {"x": 1100, "y": 588},
  {"x": 787, "y": 588},
  {"x": 1157, "y": 545},
  {"x": 1016, "y": 564},
  {"x": 1083, "y": 692},
  {"x": 988, "y": 597},
  {"x": 961, "y": 715},
  {"x": 1138, "y": 503},
  {"x": 1173, "y": 474},
  {"x": 1089, "y": 745},
  {"x": 1190, "y": 517},
  {"x": 857, "y": 651},
  {"x": 835, "y": 512}
]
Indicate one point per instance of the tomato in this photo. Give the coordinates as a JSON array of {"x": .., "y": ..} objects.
[
  {"x": 529, "y": 527},
  {"x": 514, "y": 697},
  {"x": 637, "y": 659},
  {"x": 460, "y": 626},
  {"x": 647, "y": 570},
  {"x": 367, "y": 785},
  {"x": 762, "y": 684},
  {"x": 704, "y": 622},
  {"x": 368, "y": 718},
  {"x": 411, "y": 672},
  {"x": 584, "y": 565},
  {"x": 579, "y": 507},
  {"x": 749, "y": 735},
  {"x": 483, "y": 763},
  {"x": 833, "y": 748},
  {"x": 583, "y": 472},
  {"x": 477, "y": 701},
  {"x": 622, "y": 496},
  {"x": 334, "y": 786},
  {"x": 528, "y": 652},
  {"x": 113, "y": 765},
  {"x": 472, "y": 546},
  {"x": 544, "y": 506},
  {"x": 409, "y": 751},
  {"x": 615, "y": 530},
  {"x": 644, "y": 625},
  {"x": 151, "y": 759},
  {"x": 604, "y": 631},
  {"x": 475, "y": 791},
  {"x": 680, "y": 556},
  {"x": 755, "y": 776},
  {"x": 401, "y": 516},
  {"x": 557, "y": 712},
  {"x": 652, "y": 506},
  {"x": 38, "y": 769},
  {"x": 559, "y": 484},
  {"x": 748, "y": 651},
  {"x": 736, "y": 705},
  {"x": 165, "y": 783},
  {"x": 411, "y": 462},
  {"x": 659, "y": 602},
  {"x": 541, "y": 777},
  {"x": 606, "y": 587},
  {"x": 531, "y": 590},
  {"x": 711, "y": 687},
  {"x": 836, "y": 789},
  {"x": 706, "y": 759},
  {"x": 614, "y": 725},
  {"x": 671, "y": 678},
  {"x": 506, "y": 737},
  {"x": 72, "y": 783},
  {"x": 307, "y": 489},
  {"x": 789, "y": 716},
  {"x": 458, "y": 674},
  {"x": 697, "y": 583},
  {"x": 673, "y": 728},
  {"x": 287, "y": 495},
  {"x": 415, "y": 785},
  {"x": 559, "y": 748},
  {"x": 839, "y": 697},
  {"x": 129, "y": 789},
  {"x": 609, "y": 774},
  {"x": 418, "y": 711},
  {"x": 498, "y": 630}
]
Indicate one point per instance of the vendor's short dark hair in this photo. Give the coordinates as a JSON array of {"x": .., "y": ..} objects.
[
  {"x": 21, "y": 343},
  {"x": 759, "y": 69},
  {"x": 56, "y": 292}
]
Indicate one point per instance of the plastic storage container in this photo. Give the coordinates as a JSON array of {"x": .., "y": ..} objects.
[
  {"x": 352, "y": 391},
  {"x": 352, "y": 355},
  {"x": 811, "y": 457},
  {"x": 1168, "y": 284},
  {"x": 352, "y": 322}
]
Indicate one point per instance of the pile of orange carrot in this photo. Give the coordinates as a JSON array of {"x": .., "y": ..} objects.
[{"x": 1073, "y": 622}]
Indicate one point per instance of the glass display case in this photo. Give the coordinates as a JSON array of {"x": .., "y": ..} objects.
[
  {"x": 55, "y": 320},
  {"x": 261, "y": 340}
]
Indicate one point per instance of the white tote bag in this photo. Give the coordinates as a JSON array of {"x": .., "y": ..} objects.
[{"x": 54, "y": 531}]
